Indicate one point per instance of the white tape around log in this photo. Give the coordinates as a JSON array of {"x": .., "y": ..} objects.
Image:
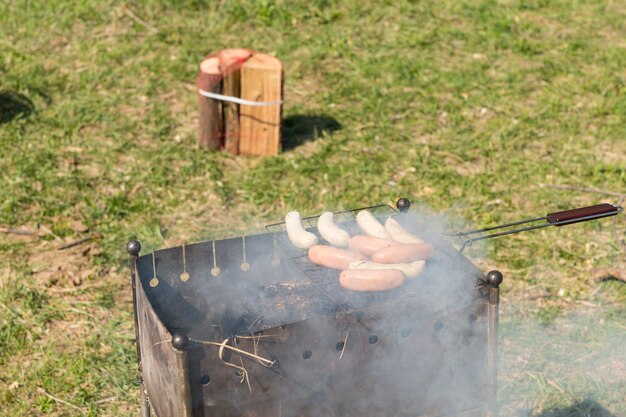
[{"x": 238, "y": 100}]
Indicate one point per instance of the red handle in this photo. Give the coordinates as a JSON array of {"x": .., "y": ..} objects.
[{"x": 579, "y": 214}]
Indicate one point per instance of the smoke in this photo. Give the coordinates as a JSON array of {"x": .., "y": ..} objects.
[
  {"x": 573, "y": 366},
  {"x": 419, "y": 350}
]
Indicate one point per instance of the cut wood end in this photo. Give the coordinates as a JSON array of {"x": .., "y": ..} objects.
[
  {"x": 263, "y": 61},
  {"x": 210, "y": 66},
  {"x": 232, "y": 59}
]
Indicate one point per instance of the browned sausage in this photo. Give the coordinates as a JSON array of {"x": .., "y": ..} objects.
[
  {"x": 371, "y": 279},
  {"x": 403, "y": 253},
  {"x": 367, "y": 245},
  {"x": 333, "y": 257}
]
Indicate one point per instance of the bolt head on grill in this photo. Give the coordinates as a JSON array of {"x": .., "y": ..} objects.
[
  {"x": 494, "y": 278},
  {"x": 133, "y": 247},
  {"x": 403, "y": 204}
]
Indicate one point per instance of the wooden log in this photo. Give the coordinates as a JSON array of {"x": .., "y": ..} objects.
[
  {"x": 261, "y": 80},
  {"x": 231, "y": 61},
  {"x": 210, "y": 126}
]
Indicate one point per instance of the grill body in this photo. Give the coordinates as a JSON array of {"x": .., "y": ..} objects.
[{"x": 428, "y": 348}]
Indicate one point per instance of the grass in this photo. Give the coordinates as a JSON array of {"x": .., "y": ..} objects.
[{"x": 473, "y": 109}]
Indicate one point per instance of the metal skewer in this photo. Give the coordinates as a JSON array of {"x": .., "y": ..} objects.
[
  {"x": 352, "y": 211},
  {"x": 561, "y": 218}
]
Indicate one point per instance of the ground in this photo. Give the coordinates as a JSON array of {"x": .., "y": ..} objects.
[{"x": 484, "y": 111}]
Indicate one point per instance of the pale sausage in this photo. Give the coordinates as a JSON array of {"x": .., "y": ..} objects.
[
  {"x": 371, "y": 280},
  {"x": 399, "y": 234},
  {"x": 370, "y": 225},
  {"x": 367, "y": 245},
  {"x": 410, "y": 270},
  {"x": 403, "y": 253},
  {"x": 334, "y": 258},
  {"x": 331, "y": 232},
  {"x": 296, "y": 233}
]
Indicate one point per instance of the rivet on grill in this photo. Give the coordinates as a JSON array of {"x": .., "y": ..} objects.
[
  {"x": 245, "y": 266},
  {"x": 438, "y": 326},
  {"x": 373, "y": 339},
  {"x": 339, "y": 346},
  {"x": 307, "y": 354},
  {"x": 276, "y": 259},
  {"x": 205, "y": 379},
  {"x": 154, "y": 281},
  {"x": 405, "y": 332},
  {"x": 184, "y": 276},
  {"x": 215, "y": 271}
]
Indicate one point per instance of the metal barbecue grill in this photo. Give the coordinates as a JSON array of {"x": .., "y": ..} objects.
[{"x": 249, "y": 327}]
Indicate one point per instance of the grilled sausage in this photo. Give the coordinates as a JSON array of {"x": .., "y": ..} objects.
[
  {"x": 398, "y": 233},
  {"x": 410, "y": 270},
  {"x": 403, "y": 253},
  {"x": 334, "y": 258},
  {"x": 371, "y": 279},
  {"x": 331, "y": 232},
  {"x": 370, "y": 225},
  {"x": 367, "y": 245},
  {"x": 296, "y": 233}
]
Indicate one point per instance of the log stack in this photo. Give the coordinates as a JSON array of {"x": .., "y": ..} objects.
[{"x": 240, "y": 128}]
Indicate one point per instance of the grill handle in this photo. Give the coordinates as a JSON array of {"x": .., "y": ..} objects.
[
  {"x": 559, "y": 218},
  {"x": 582, "y": 214}
]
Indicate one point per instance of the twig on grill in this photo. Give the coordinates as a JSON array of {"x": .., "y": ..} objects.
[
  {"x": 261, "y": 360},
  {"x": 256, "y": 339},
  {"x": 345, "y": 343},
  {"x": 52, "y": 397},
  {"x": 245, "y": 376},
  {"x": 256, "y": 336},
  {"x": 244, "y": 372}
]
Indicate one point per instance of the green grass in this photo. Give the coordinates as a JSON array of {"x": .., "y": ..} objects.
[{"x": 471, "y": 108}]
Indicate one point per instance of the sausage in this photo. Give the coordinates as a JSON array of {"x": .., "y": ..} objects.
[
  {"x": 334, "y": 258},
  {"x": 403, "y": 253},
  {"x": 371, "y": 279},
  {"x": 410, "y": 270},
  {"x": 370, "y": 225},
  {"x": 398, "y": 233},
  {"x": 296, "y": 233},
  {"x": 367, "y": 245},
  {"x": 331, "y": 232}
]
